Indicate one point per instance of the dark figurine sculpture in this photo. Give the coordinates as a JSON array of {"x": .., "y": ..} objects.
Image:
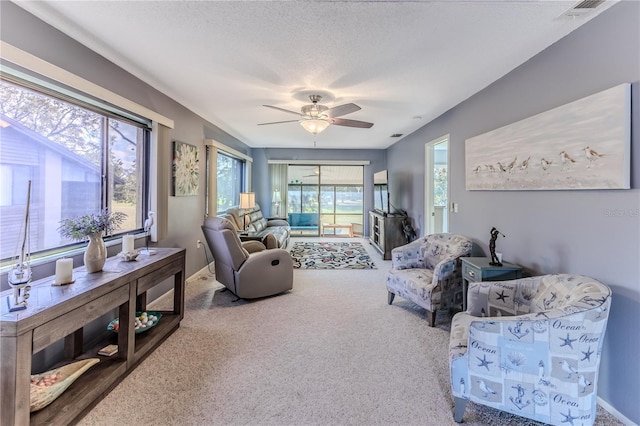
[
  {"x": 492, "y": 247},
  {"x": 408, "y": 230}
]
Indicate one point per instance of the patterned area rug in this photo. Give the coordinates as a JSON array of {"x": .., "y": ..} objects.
[{"x": 330, "y": 256}]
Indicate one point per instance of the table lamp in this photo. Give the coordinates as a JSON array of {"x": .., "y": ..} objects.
[
  {"x": 277, "y": 200},
  {"x": 247, "y": 201}
]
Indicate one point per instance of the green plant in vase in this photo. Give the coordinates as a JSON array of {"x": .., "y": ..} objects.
[{"x": 92, "y": 226}]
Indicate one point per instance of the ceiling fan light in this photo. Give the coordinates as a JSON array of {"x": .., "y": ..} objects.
[{"x": 314, "y": 126}]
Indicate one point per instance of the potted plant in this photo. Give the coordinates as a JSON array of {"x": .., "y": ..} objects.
[{"x": 92, "y": 226}]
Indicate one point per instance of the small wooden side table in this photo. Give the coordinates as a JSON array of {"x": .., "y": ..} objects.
[
  {"x": 250, "y": 236},
  {"x": 475, "y": 269}
]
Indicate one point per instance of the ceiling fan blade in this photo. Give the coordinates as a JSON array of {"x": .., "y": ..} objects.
[
  {"x": 341, "y": 110},
  {"x": 282, "y": 109},
  {"x": 278, "y": 122},
  {"x": 351, "y": 123}
]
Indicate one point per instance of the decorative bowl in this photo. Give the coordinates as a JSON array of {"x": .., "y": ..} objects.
[
  {"x": 41, "y": 396},
  {"x": 129, "y": 256},
  {"x": 112, "y": 325}
]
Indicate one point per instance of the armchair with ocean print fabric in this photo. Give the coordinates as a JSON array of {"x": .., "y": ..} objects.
[
  {"x": 531, "y": 347},
  {"x": 427, "y": 272}
]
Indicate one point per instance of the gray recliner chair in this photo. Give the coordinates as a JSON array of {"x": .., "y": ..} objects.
[{"x": 247, "y": 269}]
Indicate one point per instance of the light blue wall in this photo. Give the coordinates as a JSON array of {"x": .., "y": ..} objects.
[{"x": 553, "y": 231}]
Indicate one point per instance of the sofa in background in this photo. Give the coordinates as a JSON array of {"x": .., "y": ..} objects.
[
  {"x": 258, "y": 225},
  {"x": 531, "y": 347},
  {"x": 304, "y": 221}
]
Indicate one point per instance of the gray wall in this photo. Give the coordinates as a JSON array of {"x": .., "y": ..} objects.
[
  {"x": 25, "y": 31},
  {"x": 185, "y": 214},
  {"x": 553, "y": 231}
]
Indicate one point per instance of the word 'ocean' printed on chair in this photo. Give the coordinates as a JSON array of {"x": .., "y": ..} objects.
[
  {"x": 427, "y": 271},
  {"x": 531, "y": 347}
]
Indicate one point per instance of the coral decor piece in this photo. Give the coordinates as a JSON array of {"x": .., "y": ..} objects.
[{"x": 48, "y": 386}]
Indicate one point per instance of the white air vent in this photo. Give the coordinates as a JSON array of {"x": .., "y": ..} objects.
[
  {"x": 588, "y": 4},
  {"x": 582, "y": 8}
]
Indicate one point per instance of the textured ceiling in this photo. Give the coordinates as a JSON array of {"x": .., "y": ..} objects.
[{"x": 403, "y": 63}]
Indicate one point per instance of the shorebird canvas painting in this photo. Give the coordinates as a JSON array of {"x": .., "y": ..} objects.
[{"x": 584, "y": 144}]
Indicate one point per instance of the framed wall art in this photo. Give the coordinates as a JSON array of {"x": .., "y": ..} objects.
[
  {"x": 185, "y": 173},
  {"x": 581, "y": 145}
]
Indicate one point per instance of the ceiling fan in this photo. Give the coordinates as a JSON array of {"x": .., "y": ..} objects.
[
  {"x": 316, "y": 117},
  {"x": 316, "y": 172}
]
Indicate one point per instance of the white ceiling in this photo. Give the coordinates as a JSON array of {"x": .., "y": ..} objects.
[{"x": 404, "y": 62}]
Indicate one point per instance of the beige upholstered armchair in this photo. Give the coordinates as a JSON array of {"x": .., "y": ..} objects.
[
  {"x": 247, "y": 269},
  {"x": 427, "y": 271},
  {"x": 531, "y": 347}
]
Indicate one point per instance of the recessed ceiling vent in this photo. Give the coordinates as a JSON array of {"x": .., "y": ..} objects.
[
  {"x": 396, "y": 135},
  {"x": 588, "y": 4},
  {"x": 584, "y": 7}
]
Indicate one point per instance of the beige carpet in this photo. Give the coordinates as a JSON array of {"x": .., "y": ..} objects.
[{"x": 329, "y": 352}]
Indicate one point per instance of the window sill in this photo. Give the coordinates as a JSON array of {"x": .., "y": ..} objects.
[{"x": 53, "y": 255}]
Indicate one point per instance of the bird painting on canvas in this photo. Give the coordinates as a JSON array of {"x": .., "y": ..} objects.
[
  {"x": 512, "y": 164},
  {"x": 592, "y": 155},
  {"x": 545, "y": 164},
  {"x": 565, "y": 159}
]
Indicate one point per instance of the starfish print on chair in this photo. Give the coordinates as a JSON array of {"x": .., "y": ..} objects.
[
  {"x": 501, "y": 296},
  {"x": 567, "y": 341},
  {"x": 587, "y": 354},
  {"x": 484, "y": 362}
]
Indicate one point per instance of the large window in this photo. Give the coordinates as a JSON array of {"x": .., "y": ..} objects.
[
  {"x": 230, "y": 181},
  {"x": 79, "y": 158}
]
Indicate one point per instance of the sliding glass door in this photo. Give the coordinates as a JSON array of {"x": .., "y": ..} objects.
[
  {"x": 329, "y": 194},
  {"x": 342, "y": 202}
]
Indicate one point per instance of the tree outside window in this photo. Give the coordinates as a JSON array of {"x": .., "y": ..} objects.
[{"x": 79, "y": 160}]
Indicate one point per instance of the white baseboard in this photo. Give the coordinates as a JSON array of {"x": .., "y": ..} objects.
[
  {"x": 618, "y": 415},
  {"x": 204, "y": 272}
]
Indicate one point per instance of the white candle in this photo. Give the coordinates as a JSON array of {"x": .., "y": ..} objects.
[
  {"x": 127, "y": 244},
  {"x": 64, "y": 271}
]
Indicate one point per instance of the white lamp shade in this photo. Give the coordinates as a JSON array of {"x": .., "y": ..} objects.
[
  {"x": 314, "y": 126},
  {"x": 247, "y": 200},
  {"x": 276, "y": 197}
]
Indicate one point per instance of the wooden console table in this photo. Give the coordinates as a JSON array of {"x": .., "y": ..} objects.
[{"x": 61, "y": 312}]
